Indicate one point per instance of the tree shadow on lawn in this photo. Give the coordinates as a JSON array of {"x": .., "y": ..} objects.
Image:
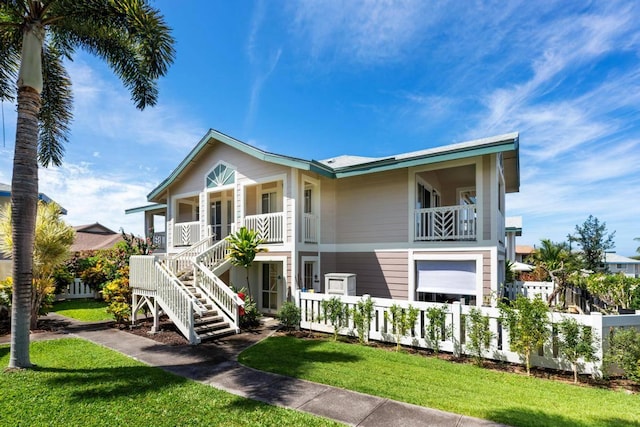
[
  {"x": 525, "y": 417},
  {"x": 109, "y": 383}
]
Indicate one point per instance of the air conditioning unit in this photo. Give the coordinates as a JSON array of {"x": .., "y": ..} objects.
[{"x": 340, "y": 284}]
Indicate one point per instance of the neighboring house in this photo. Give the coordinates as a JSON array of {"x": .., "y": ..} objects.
[
  {"x": 427, "y": 225},
  {"x": 92, "y": 237},
  {"x": 523, "y": 252},
  {"x": 620, "y": 264},
  {"x": 5, "y": 199}
]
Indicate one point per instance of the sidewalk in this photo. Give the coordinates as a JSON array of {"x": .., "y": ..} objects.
[{"x": 215, "y": 363}]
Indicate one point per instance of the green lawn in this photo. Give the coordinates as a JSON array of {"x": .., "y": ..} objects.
[
  {"x": 86, "y": 310},
  {"x": 464, "y": 389},
  {"x": 79, "y": 383}
]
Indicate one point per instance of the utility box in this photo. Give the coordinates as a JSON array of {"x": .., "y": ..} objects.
[{"x": 340, "y": 284}]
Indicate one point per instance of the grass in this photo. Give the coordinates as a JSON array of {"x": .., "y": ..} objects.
[
  {"x": 86, "y": 310},
  {"x": 79, "y": 383},
  {"x": 427, "y": 381}
]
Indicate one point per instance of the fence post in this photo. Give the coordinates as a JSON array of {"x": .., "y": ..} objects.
[
  {"x": 456, "y": 328},
  {"x": 599, "y": 336}
]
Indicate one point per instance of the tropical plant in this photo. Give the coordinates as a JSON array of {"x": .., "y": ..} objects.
[
  {"x": 289, "y": 315},
  {"x": 576, "y": 342},
  {"x": 335, "y": 311},
  {"x": 624, "y": 352},
  {"x": 362, "y": 314},
  {"x": 402, "y": 321},
  {"x": 614, "y": 289},
  {"x": 594, "y": 240},
  {"x": 436, "y": 330},
  {"x": 35, "y": 37},
  {"x": 528, "y": 325},
  {"x": 53, "y": 238},
  {"x": 559, "y": 264},
  {"x": 118, "y": 294},
  {"x": 244, "y": 245},
  {"x": 478, "y": 334}
]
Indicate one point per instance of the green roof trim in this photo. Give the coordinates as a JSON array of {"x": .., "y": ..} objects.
[
  {"x": 491, "y": 145},
  {"x": 153, "y": 207}
]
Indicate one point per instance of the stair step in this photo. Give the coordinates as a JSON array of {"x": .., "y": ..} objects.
[
  {"x": 210, "y": 327},
  {"x": 208, "y": 318},
  {"x": 216, "y": 334}
]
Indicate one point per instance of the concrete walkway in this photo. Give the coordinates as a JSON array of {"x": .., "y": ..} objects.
[{"x": 215, "y": 363}]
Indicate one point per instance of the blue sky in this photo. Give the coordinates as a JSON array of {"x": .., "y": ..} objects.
[{"x": 316, "y": 79}]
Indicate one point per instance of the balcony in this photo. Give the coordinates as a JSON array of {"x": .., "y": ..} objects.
[
  {"x": 310, "y": 228},
  {"x": 446, "y": 223},
  {"x": 186, "y": 233},
  {"x": 270, "y": 227}
]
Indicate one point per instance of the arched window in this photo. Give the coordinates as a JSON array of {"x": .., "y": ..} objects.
[{"x": 221, "y": 175}]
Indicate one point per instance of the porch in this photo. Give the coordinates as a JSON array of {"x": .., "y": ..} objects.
[{"x": 446, "y": 223}]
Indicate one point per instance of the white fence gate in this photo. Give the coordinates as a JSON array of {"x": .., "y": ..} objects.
[{"x": 77, "y": 290}]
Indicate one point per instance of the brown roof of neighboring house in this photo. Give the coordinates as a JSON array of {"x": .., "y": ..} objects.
[
  {"x": 95, "y": 236},
  {"x": 524, "y": 249}
]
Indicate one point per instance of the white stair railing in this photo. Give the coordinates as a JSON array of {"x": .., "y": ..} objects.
[
  {"x": 214, "y": 256},
  {"x": 183, "y": 261},
  {"x": 226, "y": 299}
]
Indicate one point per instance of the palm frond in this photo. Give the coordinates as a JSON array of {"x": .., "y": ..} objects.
[
  {"x": 10, "y": 44},
  {"x": 56, "y": 111}
]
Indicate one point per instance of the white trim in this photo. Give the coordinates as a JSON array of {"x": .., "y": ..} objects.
[
  {"x": 401, "y": 246},
  {"x": 224, "y": 187}
]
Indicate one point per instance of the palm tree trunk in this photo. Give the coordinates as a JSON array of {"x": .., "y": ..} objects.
[{"x": 24, "y": 204}]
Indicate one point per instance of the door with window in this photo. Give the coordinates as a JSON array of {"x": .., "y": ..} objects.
[
  {"x": 270, "y": 295},
  {"x": 216, "y": 219}
]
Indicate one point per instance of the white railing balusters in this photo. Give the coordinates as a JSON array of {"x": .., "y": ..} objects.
[
  {"x": 270, "y": 227},
  {"x": 186, "y": 233},
  {"x": 310, "y": 228},
  {"x": 446, "y": 223}
]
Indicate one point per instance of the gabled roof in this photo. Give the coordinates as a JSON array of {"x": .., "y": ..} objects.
[
  {"x": 613, "y": 258},
  {"x": 5, "y": 191},
  {"x": 94, "y": 236},
  {"x": 345, "y": 166}
]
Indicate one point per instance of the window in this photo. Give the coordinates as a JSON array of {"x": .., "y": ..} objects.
[
  {"x": 446, "y": 280},
  {"x": 269, "y": 202},
  {"x": 307, "y": 200},
  {"x": 221, "y": 175}
]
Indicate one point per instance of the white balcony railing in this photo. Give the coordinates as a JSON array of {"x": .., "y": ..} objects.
[
  {"x": 160, "y": 240},
  {"x": 270, "y": 227},
  {"x": 446, "y": 223},
  {"x": 186, "y": 233},
  {"x": 310, "y": 228}
]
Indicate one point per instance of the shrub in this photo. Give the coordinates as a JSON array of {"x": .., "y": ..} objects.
[
  {"x": 118, "y": 294},
  {"x": 289, "y": 315},
  {"x": 576, "y": 342},
  {"x": 335, "y": 312},
  {"x": 436, "y": 327},
  {"x": 528, "y": 325},
  {"x": 624, "y": 351},
  {"x": 479, "y": 334},
  {"x": 402, "y": 321},
  {"x": 362, "y": 314},
  {"x": 6, "y": 292}
]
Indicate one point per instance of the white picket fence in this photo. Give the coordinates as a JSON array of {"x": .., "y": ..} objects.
[
  {"x": 455, "y": 331},
  {"x": 528, "y": 289},
  {"x": 77, "y": 290}
]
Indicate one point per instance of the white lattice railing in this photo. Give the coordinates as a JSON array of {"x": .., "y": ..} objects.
[
  {"x": 310, "y": 228},
  {"x": 226, "y": 299},
  {"x": 186, "y": 233},
  {"x": 270, "y": 227},
  {"x": 453, "y": 336},
  {"x": 446, "y": 223},
  {"x": 159, "y": 240}
]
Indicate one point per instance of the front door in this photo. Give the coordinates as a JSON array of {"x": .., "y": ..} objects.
[
  {"x": 216, "y": 219},
  {"x": 269, "y": 290}
]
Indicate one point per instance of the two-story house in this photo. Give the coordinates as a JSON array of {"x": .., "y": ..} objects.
[{"x": 427, "y": 225}]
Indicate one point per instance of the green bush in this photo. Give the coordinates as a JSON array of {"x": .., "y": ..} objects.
[
  {"x": 576, "y": 342},
  {"x": 118, "y": 294},
  {"x": 402, "y": 321},
  {"x": 335, "y": 312},
  {"x": 624, "y": 351},
  {"x": 362, "y": 314},
  {"x": 437, "y": 327},
  {"x": 289, "y": 315},
  {"x": 479, "y": 335}
]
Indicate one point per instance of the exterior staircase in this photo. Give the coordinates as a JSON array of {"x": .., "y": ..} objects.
[{"x": 187, "y": 288}]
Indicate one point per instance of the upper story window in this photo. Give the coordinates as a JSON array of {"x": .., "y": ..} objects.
[
  {"x": 427, "y": 197},
  {"x": 221, "y": 175}
]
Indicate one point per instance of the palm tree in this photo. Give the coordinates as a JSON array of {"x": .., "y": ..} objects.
[
  {"x": 35, "y": 37},
  {"x": 243, "y": 247},
  {"x": 558, "y": 261},
  {"x": 53, "y": 238}
]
